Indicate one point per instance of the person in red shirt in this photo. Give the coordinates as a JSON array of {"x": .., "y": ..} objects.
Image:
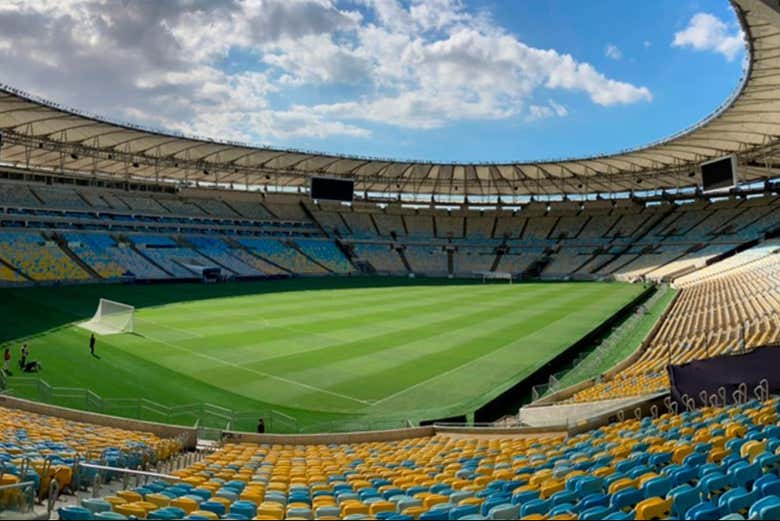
[{"x": 6, "y": 360}]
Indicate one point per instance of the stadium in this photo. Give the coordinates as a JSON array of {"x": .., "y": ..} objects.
[{"x": 203, "y": 329}]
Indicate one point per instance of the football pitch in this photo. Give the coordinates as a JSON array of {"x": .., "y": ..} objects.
[{"x": 321, "y": 352}]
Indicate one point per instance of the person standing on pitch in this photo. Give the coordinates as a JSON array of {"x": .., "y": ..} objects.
[
  {"x": 6, "y": 361},
  {"x": 92, "y": 344},
  {"x": 23, "y": 357}
]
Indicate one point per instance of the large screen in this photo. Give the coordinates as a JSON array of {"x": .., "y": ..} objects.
[
  {"x": 332, "y": 189},
  {"x": 719, "y": 174}
]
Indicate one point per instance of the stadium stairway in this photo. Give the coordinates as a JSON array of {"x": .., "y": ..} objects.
[
  {"x": 183, "y": 242},
  {"x": 292, "y": 244},
  {"x": 139, "y": 251},
  {"x": 13, "y": 269},
  {"x": 63, "y": 244},
  {"x": 405, "y": 262},
  {"x": 252, "y": 254}
]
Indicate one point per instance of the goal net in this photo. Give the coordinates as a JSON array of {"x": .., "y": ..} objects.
[
  {"x": 495, "y": 275},
  {"x": 111, "y": 318}
]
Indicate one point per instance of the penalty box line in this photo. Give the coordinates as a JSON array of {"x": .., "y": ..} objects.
[{"x": 260, "y": 373}]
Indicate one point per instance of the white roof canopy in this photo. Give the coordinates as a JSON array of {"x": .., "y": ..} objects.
[{"x": 41, "y": 135}]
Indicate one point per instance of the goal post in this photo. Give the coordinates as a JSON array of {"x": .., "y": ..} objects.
[
  {"x": 111, "y": 318},
  {"x": 494, "y": 275}
]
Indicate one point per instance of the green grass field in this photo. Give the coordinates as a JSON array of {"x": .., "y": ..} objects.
[{"x": 326, "y": 352}]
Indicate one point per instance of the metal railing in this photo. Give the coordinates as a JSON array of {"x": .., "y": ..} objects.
[
  {"x": 17, "y": 499},
  {"x": 586, "y": 364},
  {"x": 200, "y": 415}
]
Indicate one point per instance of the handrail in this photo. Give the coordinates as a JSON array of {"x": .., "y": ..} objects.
[
  {"x": 133, "y": 472},
  {"x": 21, "y": 484}
]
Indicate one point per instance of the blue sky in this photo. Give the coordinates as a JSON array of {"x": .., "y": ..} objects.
[{"x": 441, "y": 80}]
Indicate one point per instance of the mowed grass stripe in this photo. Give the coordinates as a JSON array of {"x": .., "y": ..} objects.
[
  {"x": 203, "y": 368},
  {"x": 427, "y": 365},
  {"x": 510, "y": 363},
  {"x": 404, "y": 313},
  {"x": 455, "y": 315},
  {"x": 268, "y": 306},
  {"x": 424, "y": 341}
]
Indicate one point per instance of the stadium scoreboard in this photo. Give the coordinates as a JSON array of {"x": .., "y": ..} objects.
[
  {"x": 719, "y": 174},
  {"x": 332, "y": 189}
]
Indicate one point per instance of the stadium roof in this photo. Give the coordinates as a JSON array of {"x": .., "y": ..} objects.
[{"x": 42, "y": 135}]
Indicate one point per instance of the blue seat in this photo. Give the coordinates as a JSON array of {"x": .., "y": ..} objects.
[
  {"x": 695, "y": 460},
  {"x": 562, "y": 508},
  {"x": 243, "y": 507},
  {"x": 505, "y": 511},
  {"x": 703, "y": 510},
  {"x": 768, "y": 462},
  {"x": 766, "y": 508},
  {"x": 73, "y": 513},
  {"x": 107, "y": 516},
  {"x": 459, "y": 512},
  {"x": 767, "y": 485},
  {"x": 524, "y": 497},
  {"x": 595, "y": 513},
  {"x": 660, "y": 459},
  {"x": 683, "y": 498},
  {"x": 95, "y": 505},
  {"x": 202, "y": 493},
  {"x": 564, "y": 496},
  {"x": 534, "y": 506},
  {"x": 495, "y": 499},
  {"x": 713, "y": 485},
  {"x": 684, "y": 475},
  {"x": 593, "y": 500},
  {"x": 657, "y": 487},
  {"x": 164, "y": 513},
  {"x": 329, "y": 511},
  {"x": 737, "y": 501},
  {"x": 626, "y": 499},
  {"x": 213, "y": 506},
  {"x": 589, "y": 485},
  {"x": 743, "y": 474}
]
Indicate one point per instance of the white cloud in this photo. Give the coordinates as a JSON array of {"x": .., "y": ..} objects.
[
  {"x": 233, "y": 68},
  {"x": 552, "y": 109},
  {"x": 647, "y": 44},
  {"x": 613, "y": 52},
  {"x": 706, "y": 32}
]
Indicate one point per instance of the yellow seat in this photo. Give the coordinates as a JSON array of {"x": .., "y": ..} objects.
[
  {"x": 414, "y": 511},
  {"x": 434, "y": 499},
  {"x": 653, "y": 508},
  {"x": 354, "y": 508},
  {"x": 161, "y": 500},
  {"x": 130, "y": 509},
  {"x": 752, "y": 449},
  {"x": 130, "y": 496},
  {"x": 185, "y": 503},
  {"x": 205, "y": 513},
  {"x": 268, "y": 508}
]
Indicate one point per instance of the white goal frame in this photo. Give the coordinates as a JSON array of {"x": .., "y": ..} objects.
[
  {"x": 495, "y": 275},
  {"x": 111, "y": 318}
]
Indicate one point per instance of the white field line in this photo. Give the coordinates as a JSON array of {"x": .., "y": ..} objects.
[
  {"x": 445, "y": 373},
  {"x": 261, "y": 373}
]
